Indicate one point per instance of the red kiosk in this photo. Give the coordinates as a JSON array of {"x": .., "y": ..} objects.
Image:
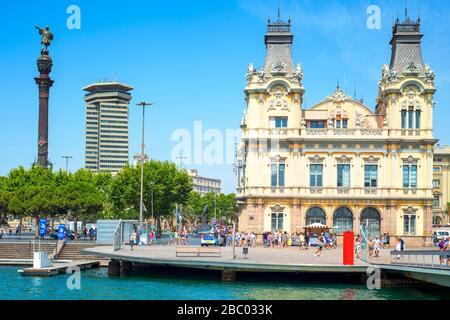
[{"x": 348, "y": 248}]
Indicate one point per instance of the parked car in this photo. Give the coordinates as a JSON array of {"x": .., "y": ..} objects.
[
  {"x": 207, "y": 239},
  {"x": 70, "y": 235}
]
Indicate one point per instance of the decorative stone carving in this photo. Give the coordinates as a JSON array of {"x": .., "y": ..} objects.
[
  {"x": 316, "y": 160},
  {"x": 303, "y": 124},
  {"x": 250, "y": 72},
  {"x": 343, "y": 159},
  {"x": 389, "y": 75},
  {"x": 298, "y": 73},
  {"x": 429, "y": 74},
  {"x": 330, "y": 122},
  {"x": 244, "y": 119},
  {"x": 278, "y": 101},
  {"x": 411, "y": 68},
  {"x": 338, "y": 96},
  {"x": 261, "y": 76},
  {"x": 278, "y": 67}
]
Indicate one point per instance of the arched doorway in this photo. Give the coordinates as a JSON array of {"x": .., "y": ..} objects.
[
  {"x": 342, "y": 220},
  {"x": 371, "y": 221},
  {"x": 315, "y": 215}
]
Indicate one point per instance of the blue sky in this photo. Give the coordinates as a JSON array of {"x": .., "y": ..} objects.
[{"x": 190, "y": 58}]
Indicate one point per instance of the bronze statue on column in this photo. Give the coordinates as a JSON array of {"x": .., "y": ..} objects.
[{"x": 44, "y": 83}]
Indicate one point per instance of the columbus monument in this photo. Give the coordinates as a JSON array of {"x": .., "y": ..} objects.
[{"x": 44, "y": 64}]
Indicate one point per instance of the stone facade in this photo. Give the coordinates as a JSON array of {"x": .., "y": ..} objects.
[
  {"x": 339, "y": 163},
  {"x": 441, "y": 186}
]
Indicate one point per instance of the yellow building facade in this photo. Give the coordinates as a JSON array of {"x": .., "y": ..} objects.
[
  {"x": 441, "y": 186},
  {"x": 339, "y": 163}
]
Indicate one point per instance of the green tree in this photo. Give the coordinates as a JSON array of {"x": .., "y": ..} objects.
[
  {"x": 225, "y": 206},
  {"x": 169, "y": 186},
  {"x": 5, "y": 197},
  {"x": 80, "y": 197},
  {"x": 32, "y": 192}
]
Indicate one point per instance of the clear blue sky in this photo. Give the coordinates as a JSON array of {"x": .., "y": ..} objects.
[{"x": 190, "y": 58}]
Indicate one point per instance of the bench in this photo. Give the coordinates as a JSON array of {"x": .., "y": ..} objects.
[{"x": 198, "y": 252}]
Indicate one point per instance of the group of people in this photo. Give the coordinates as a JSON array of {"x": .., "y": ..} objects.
[
  {"x": 244, "y": 239},
  {"x": 135, "y": 239},
  {"x": 89, "y": 232},
  {"x": 276, "y": 239}
]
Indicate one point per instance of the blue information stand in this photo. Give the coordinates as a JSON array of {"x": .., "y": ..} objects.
[
  {"x": 61, "y": 231},
  {"x": 42, "y": 227}
]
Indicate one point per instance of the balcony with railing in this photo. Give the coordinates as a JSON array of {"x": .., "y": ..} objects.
[
  {"x": 320, "y": 192},
  {"x": 335, "y": 133}
]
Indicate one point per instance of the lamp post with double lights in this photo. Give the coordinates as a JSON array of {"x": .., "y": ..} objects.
[{"x": 141, "y": 209}]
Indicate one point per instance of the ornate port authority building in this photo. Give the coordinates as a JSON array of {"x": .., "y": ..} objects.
[{"x": 339, "y": 163}]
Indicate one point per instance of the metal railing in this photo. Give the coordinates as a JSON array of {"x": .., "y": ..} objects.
[
  {"x": 421, "y": 258},
  {"x": 364, "y": 242}
]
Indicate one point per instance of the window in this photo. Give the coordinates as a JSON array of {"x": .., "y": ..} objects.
[
  {"x": 343, "y": 175},
  {"x": 409, "y": 176},
  {"x": 436, "y": 169},
  {"x": 277, "y": 174},
  {"x": 277, "y": 221},
  {"x": 315, "y": 215},
  {"x": 315, "y": 175},
  {"x": 338, "y": 124},
  {"x": 410, "y": 117},
  {"x": 317, "y": 124},
  {"x": 436, "y": 201},
  {"x": 436, "y": 183},
  {"x": 345, "y": 123},
  {"x": 278, "y": 122},
  {"x": 370, "y": 222},
  {"x": 417, "y": 119},
  {"x": 403, "y": 119},
  {"x": 342, "y": 220},
  {"x": 409, "y": 224},
  {"x": 370, "y": 176}
]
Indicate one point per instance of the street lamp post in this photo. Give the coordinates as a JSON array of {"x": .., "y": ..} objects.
[
  {"x": 235, "y": 217},
  {"x": 151, "y": 200},
  {"x": 141, "y": 209},
  {"x": 67, "y": 161}
]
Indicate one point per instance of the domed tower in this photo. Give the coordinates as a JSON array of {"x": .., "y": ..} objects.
[
  {"x": 407, "y": 87},
  {"x": 405, "y": 101}
]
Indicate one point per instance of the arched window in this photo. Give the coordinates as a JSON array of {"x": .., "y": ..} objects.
[
  {"x": 342, "y": 220},
  {"x": 370, "y": 222},
  {"x": 437, "y": 220},
  {"x": 315, "y": 215}
]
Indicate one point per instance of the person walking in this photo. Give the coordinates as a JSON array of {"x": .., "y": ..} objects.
[
  {"x": 301, "y": 240},
  {"x": 376, "y": 246},
  {"x": 133, "y": 239},
  {"x": 320, "y": 245},
  {"x": 358, "y": 247},
  {"x": 307, "y": 238}
]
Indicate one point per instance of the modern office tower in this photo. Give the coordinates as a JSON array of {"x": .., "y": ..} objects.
[{"x": 107, "y": 126}]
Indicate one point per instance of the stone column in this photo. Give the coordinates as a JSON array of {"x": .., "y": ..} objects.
[
  {"x": 114, "y": 268},
  {"x": 127, "y": 266},
  {"x": 44, "y": 83},
  {"x": 228, "y": 276}
]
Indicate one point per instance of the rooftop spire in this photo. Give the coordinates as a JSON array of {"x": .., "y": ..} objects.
[
  {"x": 406, "y": 45},
  {"x": 279, "y": 14},
  {"x": 406, "y": 9},
  {"x": 278, "y": 42}
]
